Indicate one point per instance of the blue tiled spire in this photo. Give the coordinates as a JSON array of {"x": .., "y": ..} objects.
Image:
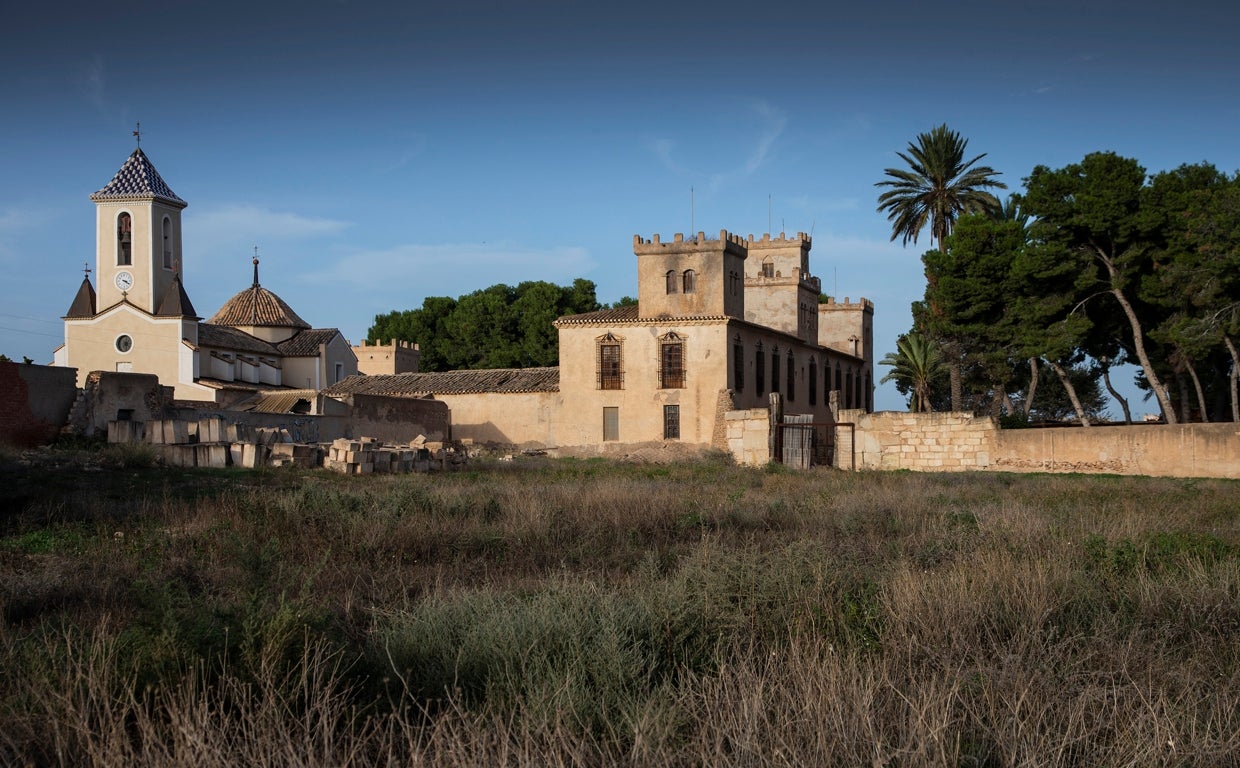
[{"x": 138, "y": 180}]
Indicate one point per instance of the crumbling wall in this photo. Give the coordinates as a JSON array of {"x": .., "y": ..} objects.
[{"x": 34, "y": 402}]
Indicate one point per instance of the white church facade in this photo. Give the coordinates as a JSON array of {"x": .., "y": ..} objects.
[{"x": 141, "y": 319}]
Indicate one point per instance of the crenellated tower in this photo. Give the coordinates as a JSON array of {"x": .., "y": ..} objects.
[
  {"x": 780, "y": 291},
  {"x": 696, "y": 277}
]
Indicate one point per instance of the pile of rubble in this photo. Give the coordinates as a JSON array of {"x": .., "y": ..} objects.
[{"x": 368, "y": 455}]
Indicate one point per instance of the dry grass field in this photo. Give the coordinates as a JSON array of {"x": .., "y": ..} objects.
[{"x": 579, "y": 612}]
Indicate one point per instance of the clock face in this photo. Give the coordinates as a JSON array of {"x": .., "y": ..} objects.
[{"x": 124, "y": 281}]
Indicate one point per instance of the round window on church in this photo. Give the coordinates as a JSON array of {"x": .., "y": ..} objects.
[{"x": 124, "y": 343}]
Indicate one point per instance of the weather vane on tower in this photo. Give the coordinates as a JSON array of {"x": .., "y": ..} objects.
[{"x": 137, "y": 133}]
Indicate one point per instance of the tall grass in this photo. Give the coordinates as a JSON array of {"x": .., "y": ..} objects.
[{"x": 586, "y": 613}]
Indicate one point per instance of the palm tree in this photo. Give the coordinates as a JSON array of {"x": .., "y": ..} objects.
[
  {"x": 916, "y": 365},
  {"x": 936, "y": 188}
]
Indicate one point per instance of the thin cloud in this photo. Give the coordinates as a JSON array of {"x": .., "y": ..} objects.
[
  {"x": 773, "y": 122},
  {"x": 253, "y": 223},
  {"x": 416, "y": 147}
]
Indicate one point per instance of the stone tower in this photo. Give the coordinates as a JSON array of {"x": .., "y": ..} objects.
[
  {"x": 698, "y": 277},
  {"x": 781, "y": 291}
]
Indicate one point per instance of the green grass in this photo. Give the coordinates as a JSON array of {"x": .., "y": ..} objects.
[{"x": 589, "y": 613}]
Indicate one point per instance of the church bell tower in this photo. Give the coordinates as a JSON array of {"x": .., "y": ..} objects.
[{"x": 137, "y": 237}]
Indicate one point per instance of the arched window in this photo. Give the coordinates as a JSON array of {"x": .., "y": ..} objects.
[
  {"x": 813, "y": 381},
  {"x": 768, "y": 268},
  {"x": 689, "y": 281},
  {"x": 869, "y": 394},
  {"x": 672, "y": 280},
  {"x": 124, "y": 240},
  {"x": 848, "y": 388},
  {"x": 167, "y": 243}
]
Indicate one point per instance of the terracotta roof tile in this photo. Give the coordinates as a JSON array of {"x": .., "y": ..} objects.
[
  {"x": 614, "y": 315},
  {"x": 260, "y": 307},
  {"x": 306, "y": 343},
  {"x": 450, "y": 382},
  {"x": 225, "y": 337}
]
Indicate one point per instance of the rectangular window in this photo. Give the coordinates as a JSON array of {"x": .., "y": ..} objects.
[
  {"x": 339, "y": 373},
  {"x": 611, "y": 423},
  {"x": 759, "y": 371},
  {"x": 738, "y": 368},
  {"x": 671, "y": 422},
  {"x": 792, "y": 378},
  {"x": 672, "y": 365},
  {"x": 775, "y": 370},
  {"x": 609, "y": 374},
  {"x": 813, "y": 382}
]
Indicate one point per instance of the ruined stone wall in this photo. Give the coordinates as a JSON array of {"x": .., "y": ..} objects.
[
  {"x": 748, "y": 435},
  {"x": 34, "y": 402},
  {"x": 399, "y": 420}
]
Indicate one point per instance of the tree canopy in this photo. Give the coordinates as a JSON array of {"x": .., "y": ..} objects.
[
  {"x": 937, "y": 187},
  {"x": 1092, "y": 265},
  {"x": 496, "y": 327}
]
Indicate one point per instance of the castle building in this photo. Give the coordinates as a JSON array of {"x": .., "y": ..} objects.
[
  {"x": 720, "y": 324},
  {"x": 141, "y": 319}
]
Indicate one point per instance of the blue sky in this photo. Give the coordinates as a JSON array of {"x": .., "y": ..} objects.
[{"x": 378, "y": 153}]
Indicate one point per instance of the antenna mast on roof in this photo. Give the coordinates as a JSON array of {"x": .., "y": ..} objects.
[{"x": 692, "y": 225}]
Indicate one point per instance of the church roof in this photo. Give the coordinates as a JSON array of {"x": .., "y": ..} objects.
[
  {"x": 84, "y": 302},
  {"x": 259, "y": 307},
  {"x": 225, "y": 337},
  {"x": 306, "y": 343},
  {"x": 138, "y": 180},
  {"x": 176, "y": 301},
  {"x": 450, "y": 382}
]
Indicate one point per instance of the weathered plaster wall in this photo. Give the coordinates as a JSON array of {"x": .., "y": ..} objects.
[
  {"x": 529, "y": 419},
  {"x": 34, "y": 402}
]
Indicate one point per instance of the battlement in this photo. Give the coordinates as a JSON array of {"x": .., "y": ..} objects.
[
  {"x": 861, "y": 303},
  {"x": 726, "y": 242},
  {"x": 393, "y": 344},
  {"x": 800, "y": 238}
]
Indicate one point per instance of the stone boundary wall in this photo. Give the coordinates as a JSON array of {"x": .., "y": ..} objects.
[
  {"x": 1167, "y": 450},
  {"x": 928, "y": 442},
  {"x": 955, "y": 442}
]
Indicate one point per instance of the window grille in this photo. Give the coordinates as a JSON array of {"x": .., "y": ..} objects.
[
  {"x": 671, "y": 422},
  {"x": 792, "y": 377},
  {"x": 610, "y": 371},
  {"x": 671, "y": 362}
]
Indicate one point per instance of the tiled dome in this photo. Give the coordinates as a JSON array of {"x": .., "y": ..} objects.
[{"x": 259, "y": 307}]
